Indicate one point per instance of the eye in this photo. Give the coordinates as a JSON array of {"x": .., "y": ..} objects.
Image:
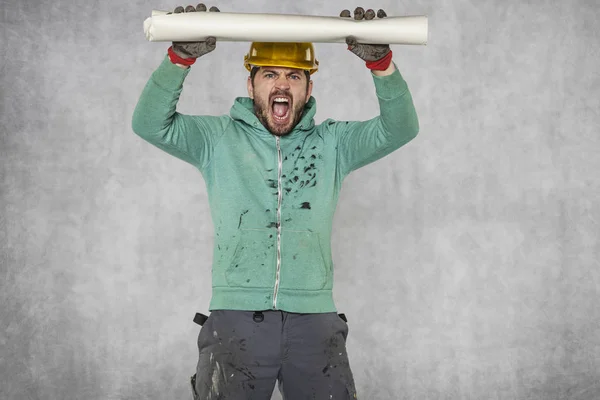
[
  {"x": 269, "y": 75},
  {"x": 296, "y": 77}
]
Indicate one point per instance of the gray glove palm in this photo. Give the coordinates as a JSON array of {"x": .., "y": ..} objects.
[
  {"x": 194, "y": 49},
  {"x": 368, "y": 52}
]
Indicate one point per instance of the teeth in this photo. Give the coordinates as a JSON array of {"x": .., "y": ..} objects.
[{"x": 281, "y": 100}]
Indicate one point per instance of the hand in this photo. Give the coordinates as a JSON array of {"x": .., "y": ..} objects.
[
  {"x": 368, "y": 52},
  {"x": 194, "y": 49}
]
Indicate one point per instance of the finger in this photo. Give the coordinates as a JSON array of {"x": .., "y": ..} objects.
[
  {"x": 381, "y": 14},
  {"x": 359, "y": 13},
  {"x": 214, "y": 9},
  {"x": 178, "y": 10},
  {"x": 190, "y": 9},
  {"x": 201, "y": 7},
  {"x": 345, "y": 14},
  {"x": 370, "y": 14}
]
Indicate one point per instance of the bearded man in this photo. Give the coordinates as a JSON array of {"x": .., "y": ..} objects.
[{"x": 273, "y": 178}]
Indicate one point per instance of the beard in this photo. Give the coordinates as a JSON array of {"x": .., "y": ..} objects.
[{"x": 263, "y": 111}]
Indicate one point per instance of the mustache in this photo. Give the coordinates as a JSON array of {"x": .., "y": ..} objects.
[{"x": 281, "y": 93}]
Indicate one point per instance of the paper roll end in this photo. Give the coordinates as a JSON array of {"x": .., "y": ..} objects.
[{"x": 148, "y": 28}]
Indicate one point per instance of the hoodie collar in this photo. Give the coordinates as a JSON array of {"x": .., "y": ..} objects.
[{"x": 243, "y": 110}]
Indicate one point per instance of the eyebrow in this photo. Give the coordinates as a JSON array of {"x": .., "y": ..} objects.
[{"x": 277, "y": 73}]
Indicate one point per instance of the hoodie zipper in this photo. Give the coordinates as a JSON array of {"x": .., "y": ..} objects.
[{"x": 279, "y": 198}]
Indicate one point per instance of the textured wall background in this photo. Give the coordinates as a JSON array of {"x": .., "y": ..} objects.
[{"x": 467, "y": 262}]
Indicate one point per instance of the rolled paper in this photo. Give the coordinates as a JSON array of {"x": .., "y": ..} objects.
[{"x": 248, "y": 27}]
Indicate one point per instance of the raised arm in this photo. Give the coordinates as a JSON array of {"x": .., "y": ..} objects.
[
  {"x": 155, "y": 119},
  {"x": 363, "y": 142}
]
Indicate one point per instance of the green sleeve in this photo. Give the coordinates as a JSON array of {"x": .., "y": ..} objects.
[
  {"x": 190, "y": 138},
  {"x": 363, "y": 142}
]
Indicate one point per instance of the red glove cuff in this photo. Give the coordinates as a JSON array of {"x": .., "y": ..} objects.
[
  {"x": 382, "y": 64},
  {"x": 175, "y": 59}
]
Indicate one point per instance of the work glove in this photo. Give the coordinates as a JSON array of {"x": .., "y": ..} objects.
[
  {"x": 190, "y": 51},
  {"x": 376, "y": 56}
]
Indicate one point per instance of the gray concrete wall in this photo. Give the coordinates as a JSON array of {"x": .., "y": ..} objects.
[{"x": 466, "y": 262}]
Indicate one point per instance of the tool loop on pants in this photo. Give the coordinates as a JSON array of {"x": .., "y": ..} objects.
[{"x": 200, "y": 319}]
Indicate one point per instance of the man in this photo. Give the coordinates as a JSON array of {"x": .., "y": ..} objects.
[{"x": 273, "y": 179}]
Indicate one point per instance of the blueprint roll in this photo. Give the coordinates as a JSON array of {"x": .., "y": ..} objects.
[{"x": 248, "y": 27}]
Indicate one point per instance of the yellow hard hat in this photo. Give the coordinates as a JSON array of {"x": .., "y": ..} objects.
[{"x": 276, "y": 54}]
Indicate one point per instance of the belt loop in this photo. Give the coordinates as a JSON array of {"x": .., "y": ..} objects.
[{"x": 258, "y": 316}]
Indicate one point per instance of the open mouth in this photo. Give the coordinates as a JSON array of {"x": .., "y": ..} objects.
[{"x": 280, "y": 109}]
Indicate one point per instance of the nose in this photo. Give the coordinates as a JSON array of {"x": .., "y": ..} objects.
[{"x": 282, "y": 82}]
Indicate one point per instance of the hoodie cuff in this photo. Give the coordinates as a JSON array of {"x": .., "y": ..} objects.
[
  {"x": 390, "y": 86},
  {"x": 169, "y": 76}
]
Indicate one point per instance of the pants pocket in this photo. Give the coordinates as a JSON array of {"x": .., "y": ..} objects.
[
  {"x": 194, "y": 392},
  {"x": 204, "y": 321}
]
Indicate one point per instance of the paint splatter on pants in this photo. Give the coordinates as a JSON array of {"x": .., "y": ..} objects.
[{"x": 244, "y": 353}]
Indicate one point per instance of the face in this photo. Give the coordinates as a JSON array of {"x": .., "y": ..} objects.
[{"x": 279, "y": 96}]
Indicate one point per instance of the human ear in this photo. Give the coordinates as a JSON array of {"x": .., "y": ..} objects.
[
  {"x": 250, "y": 88},
  {"x": 309, "y": 91}
]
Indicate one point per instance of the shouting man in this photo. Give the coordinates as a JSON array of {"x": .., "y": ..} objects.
[{"x": 273, "y": 178}]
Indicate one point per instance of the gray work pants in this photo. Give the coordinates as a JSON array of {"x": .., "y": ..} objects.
[{"x": 243, "y": 353}]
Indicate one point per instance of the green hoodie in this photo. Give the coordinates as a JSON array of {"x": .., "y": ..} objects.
[{"x": 272, "y": 199}]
